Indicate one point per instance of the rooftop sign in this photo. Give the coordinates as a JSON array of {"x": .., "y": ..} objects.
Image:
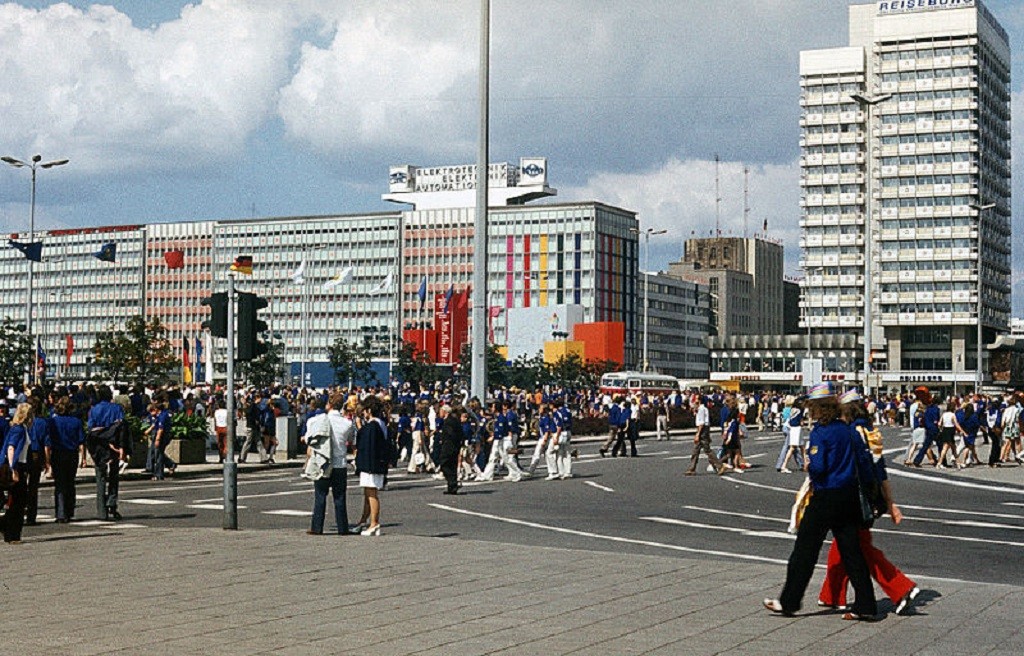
[{"x": 887, "y": 7}]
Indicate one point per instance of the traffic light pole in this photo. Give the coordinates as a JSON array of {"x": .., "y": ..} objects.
[{"x": 230, "y": 466}]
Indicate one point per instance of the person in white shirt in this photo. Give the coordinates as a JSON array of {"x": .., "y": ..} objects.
[
  {"x": 334, "y": 476},
  {"x": 702, "y": 442}
]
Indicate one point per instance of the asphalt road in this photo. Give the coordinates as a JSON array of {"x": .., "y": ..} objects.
[{"x": 955, "y": 528}]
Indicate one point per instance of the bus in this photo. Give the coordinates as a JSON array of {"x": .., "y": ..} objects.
[{"x": 631, "y": 382}]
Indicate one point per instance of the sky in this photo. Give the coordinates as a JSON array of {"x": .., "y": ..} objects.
[{"x": 220, "y": 109}]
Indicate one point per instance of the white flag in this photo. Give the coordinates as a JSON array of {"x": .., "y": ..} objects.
[
  {"x": 342, "y": 278},
  {"x": 299, "y": 275},
  {"x": 384, "y": 287}
]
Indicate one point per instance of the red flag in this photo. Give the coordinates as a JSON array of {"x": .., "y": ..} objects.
[
  {"x": 184, "y": 353},
  {"x": 174, "y": 259},
  {"x": 463, "y": 301},
  {"x": 69, "y": 351}
]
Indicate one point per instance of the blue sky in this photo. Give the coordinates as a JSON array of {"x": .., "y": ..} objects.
[{"x": 228, "y": 108}]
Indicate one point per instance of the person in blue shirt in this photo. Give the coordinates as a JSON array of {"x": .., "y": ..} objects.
[
  {"x": 15, "y": 452},
  {"x": 104, "y": 424},
  {"x": 614, "y": 412},
  {"x": 159, "y": 432},
  {"x": 836, "y": 457},
  {"x": 969, "y": 423},
  {"x": 932, "y": 415},
  {"x": 37, "y": 463},
  {"x": 506, "y": 426},
  {"x": 65, "y": 450},
  {"x": 5, "y": 421},
  {"x": 561, "y": 441}
]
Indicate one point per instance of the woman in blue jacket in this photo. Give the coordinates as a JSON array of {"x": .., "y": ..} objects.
[
  {"x": 836, "y": 455},
  {"x": 65, "y": 450},
  {"x": 371, "y": 462},
  {"x": 15, "y": 451}
]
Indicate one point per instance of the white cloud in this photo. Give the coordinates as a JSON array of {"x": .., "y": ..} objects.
[
  {"x": 401, "y": 79},
  {"x": 89, "y": 85},
  {"x": 679, "y": 196}
]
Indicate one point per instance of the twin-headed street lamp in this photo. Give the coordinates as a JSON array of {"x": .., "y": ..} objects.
[
  {"x": 35, "y": 163},
  {"x": 647, "y": 254}
]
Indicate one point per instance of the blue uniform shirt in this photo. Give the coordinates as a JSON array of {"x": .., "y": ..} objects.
[
  {"x": 836, "y": 453},
  {"x": 105, "y": 414},
  {"x": 512, "y": 420},
  {"x": 37, "y": 434},
  {"x": 16, "y": 437},
  {"x": 613, "y": 414},
  {"x": 66, "y": 432},
  {"x": 547, "y": 425},
  {"x": 932, "y": 415},
  {"x": 500, "y": 426}
]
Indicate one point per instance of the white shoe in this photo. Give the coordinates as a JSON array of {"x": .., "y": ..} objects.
[
  {"x": 785, "y": 470},
  {"x": 551, "y": 477},
  {"x": 711, "y": 470},
  {"x": 565, "y": 477},
  {"x": 737, "y": 470}
]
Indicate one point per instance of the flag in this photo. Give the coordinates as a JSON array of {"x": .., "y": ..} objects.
[
  {"x": 40, "y": 353},
  {"x": 493, "y": 313},
  {"x": 384, "y": 287},
  {"x": 299, "y": 275},
  {"x": 184, "y": 353},
  {"x": 69, "y": 351},
  {"x": 765, "y": 228},
  {"x": 174, "y": 259},
  {"x": 422, "y": 293},
  {"x": 463, "y": 301},
  {"x": 342, "y": 278},
  {"x": 243, "y": 265},
  {"x": 107, "y": 253},
  {"x": 199, "y": 357},
  {"x": 32, "y": 250},
  {"x": 448, "y": 297}
]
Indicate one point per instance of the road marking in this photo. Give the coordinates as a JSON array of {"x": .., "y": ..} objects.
[
  {"x": 948, "y": 481},
  {"x": 728, "y": 529},
  {"x": 733, "y": 479},
  {"x": 598, "y": 486},
  {"x": 954, "y": 511},
  {"x": 289, "y": 513},
  {"x": 149, "y": 502},
  {"x": 211, "y": 506},
  {"x": 119, "y": 525},
  {"x": 610, "y": 538},
  {"x": 92, "y": 522},
  {"x": 255, "y": 496}
]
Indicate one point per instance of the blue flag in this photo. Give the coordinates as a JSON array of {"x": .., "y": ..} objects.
[
  {"x": 40, "y": 353},
  {"x": 32, "y": 250},
  {"x": 422, "y": 293},
  {"x": 448, "y": 297},
  {"x": 108, "y": 253},
  {"x": 199, "y": 359}
]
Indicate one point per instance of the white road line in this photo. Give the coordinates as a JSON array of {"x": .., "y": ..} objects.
[
  {"x": 149, "y": 502},
  {"x": 1012, "y": 503},
  {"x": 598, "y": 486},
  {"x": 610, "y": 538},
  {"x": 255, "y": 496},
  {"x": 211, "y": 506},
  {"x": 735, "y": 479},
  {"x": 92, "y": 522},
  {"x": 954, "y": 511},
  {"x": 118, "y": 525},
  {"x": 728, "y": 529},
  {"x": 289, "y": 513},
  {"x": 946, "y": 481}
]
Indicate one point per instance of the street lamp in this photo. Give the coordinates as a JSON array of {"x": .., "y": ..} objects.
[
  {"x": 980, "y": 208},
  {"x": 36, "y": 163},
  {"x": 647, "y": 254},
  {"x": 868, "y": 104}
]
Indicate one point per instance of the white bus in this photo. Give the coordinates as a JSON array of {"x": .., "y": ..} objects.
[{"x": 631, "y": 382}]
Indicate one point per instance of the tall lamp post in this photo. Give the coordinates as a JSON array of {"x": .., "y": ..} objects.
[
  {"x": 647, "y": 254},
  {"x": 35, "y": 163},
  {"x": 868, "y": 103},
  {"x": 980, "y": 208}
]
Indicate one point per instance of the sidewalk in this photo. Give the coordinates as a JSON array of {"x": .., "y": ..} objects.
[{"x": 214, "y": 592}]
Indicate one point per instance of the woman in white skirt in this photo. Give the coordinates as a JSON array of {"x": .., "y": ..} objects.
[
  {"x": 795, "y": 444},
  {"x": 371, "y": 462}
]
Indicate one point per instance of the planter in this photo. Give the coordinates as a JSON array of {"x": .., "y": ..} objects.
[{"x": 187, "y": 452}]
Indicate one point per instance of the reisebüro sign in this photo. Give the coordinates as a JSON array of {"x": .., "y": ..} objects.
[{"x": 886, "y": 7}]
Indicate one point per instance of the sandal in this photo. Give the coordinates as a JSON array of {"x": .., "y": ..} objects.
[
  {"x": 775, "y": 606},
  {"x": 854, "y": 617}
]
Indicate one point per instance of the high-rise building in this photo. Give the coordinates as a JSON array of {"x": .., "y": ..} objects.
[
  {"x": 744, "y": 276},
  {"x": 905, "y": 170}
]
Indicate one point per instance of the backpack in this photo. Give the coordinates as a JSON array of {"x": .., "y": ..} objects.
[{"x": 873, "y": 438}]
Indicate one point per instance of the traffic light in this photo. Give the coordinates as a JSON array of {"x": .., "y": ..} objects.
[
  {"x": 249, "y": 326},
  {"x": 218, "y": 321}
]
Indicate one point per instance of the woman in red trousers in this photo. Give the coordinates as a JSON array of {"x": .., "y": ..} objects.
[{"x": 894, "y": 583}]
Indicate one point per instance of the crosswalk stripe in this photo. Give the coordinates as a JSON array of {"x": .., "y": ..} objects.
[{"x": 288, "y": 513}]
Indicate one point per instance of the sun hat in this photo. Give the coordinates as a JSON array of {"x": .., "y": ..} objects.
[
  {"x": 820, "y": 391},
  {"x": 851, "y": 396}
]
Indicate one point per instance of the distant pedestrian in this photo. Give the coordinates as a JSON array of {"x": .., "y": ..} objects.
[
  {"x": 702, "y": 442},
  {"x": 104, "y": 439},
  {"x": 371, "y": 462},
  {"x": 451, "y": 437},
  {"x": 65, "y": 451},
  {"x": 340, "y": 432},
  {"x": 15, "y": 451},
  {"x": 37, "y": 463}
]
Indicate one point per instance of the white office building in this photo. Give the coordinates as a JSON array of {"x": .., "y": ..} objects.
[{"x": 905, "y": 160}]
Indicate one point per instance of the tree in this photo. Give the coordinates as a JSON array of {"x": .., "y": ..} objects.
[
  {"x": 497, "y": 368},
  {"x": 15, "y": 351},
  {"x": 138, "y": 353},
  {"x": 569, "y": 371},
  {"x": 351, "y": 361},
  {"x": 265, "y": 369},
  {"x": 414, "y": 366}
]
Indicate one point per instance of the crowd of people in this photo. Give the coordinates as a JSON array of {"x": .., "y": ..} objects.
[{"x": 438, "y": 431}]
